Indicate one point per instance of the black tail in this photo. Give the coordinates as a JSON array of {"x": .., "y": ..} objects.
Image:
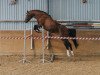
[{"x": 72, "y": 33}]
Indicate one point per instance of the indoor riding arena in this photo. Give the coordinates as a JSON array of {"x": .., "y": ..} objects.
[{"x": 26, "y": 51}]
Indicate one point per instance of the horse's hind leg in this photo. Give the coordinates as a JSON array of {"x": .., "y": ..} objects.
[
  {"x": 69, "y": 51},
  {"x": 69, "y": 48},
  {"x": 72, "y": 33},
  {"x": 72, "y": 53},
  {"x": 66, "y": 43}
]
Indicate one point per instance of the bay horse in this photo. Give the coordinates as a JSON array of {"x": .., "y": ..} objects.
[{"x": 53, "y": 26}]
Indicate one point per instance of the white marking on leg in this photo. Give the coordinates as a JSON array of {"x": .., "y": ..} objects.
[
  {"x": 68, "y": 53},
  {"x": 72, "y": 53}
]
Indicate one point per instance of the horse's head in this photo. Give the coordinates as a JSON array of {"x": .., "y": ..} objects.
[{"x": 29, "y": 16}]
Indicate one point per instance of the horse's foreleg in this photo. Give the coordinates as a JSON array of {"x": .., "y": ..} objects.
[{"x": 37, "y": 28}]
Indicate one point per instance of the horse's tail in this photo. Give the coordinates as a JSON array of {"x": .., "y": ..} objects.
[{"x": 72, "y": 33}]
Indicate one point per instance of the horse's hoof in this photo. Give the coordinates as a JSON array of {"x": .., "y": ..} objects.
[{"x": 72, "y": 53}]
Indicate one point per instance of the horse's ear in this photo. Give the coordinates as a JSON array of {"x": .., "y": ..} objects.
[{"x": 27, "y": 11}]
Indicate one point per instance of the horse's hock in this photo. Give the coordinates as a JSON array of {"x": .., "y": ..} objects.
[{"x": 15, "y": 46}]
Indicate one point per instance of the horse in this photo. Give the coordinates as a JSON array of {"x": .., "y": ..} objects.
[{"x": 51, "y": 25}]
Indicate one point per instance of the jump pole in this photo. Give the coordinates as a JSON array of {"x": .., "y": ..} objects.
[
  {"x": 31, "y": 37},
  {"x": 48, "y": 40},
  {"x": 43, "y": 47},
  {"x": 24, "y": 59},
  {"x": 43, "y": 53}
]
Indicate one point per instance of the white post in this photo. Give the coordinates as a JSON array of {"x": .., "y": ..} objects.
[
  {"x": 43, "y": 59},
  {"x": 48, "y": 40},
  {"x": 31, "y": 37},
  {"x": 43, "y": 47},
  {"x": 24, "y": 50}
]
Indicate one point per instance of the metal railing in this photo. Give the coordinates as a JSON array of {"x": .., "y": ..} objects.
[{"x": 69, "y": 24}]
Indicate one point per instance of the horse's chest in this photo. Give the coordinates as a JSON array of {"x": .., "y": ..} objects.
[
  {"x": 41, "y": 21},
  {"x": 48, "y": 24}
]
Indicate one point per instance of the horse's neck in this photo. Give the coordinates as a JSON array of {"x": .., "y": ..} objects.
[{"x": 37, "y": 16}]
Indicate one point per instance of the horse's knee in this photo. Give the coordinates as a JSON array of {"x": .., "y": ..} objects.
[{"x": 37, "y": 28}]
